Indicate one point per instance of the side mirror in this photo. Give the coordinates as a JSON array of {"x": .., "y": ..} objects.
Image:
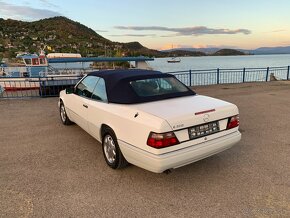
[{"x": 69, "y": 90}]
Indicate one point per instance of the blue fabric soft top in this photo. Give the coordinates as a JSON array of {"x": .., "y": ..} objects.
[{"x": 120, "y": 91}]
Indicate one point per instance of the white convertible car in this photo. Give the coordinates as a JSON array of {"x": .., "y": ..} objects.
[{"x": 149, "y": 119}]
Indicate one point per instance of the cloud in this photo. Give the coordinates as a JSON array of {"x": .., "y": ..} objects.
[
  {"x": 186, "y": 31},
  {"x": 48, "y": 3},
  {"x": 25, "y": 12},
  {"x": 101, "y": 31},
  {"x": 277, "y": 31},
  {"x": 134, "y": 35}
]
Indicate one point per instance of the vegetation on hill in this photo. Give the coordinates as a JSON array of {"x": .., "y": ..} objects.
[
  {"x": 228, "y": 52},
  {"x": 62, "y": 35},
  {"x": 183, "y": 53},
  {"x": 136, "y": 49}
]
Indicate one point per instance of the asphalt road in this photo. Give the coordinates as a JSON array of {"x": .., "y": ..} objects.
[{"x": 51, "y": 170}]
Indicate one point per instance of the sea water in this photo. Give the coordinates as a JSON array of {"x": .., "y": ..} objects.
[{"x": 222, "y": 62}]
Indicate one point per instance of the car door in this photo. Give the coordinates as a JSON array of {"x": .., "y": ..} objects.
[
  {"x": 97, "y": 109},
  {"x": 79, "y": 102}
]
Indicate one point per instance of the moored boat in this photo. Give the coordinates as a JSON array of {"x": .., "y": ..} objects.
[
  {"x": 174, "y": 60},
  {"x": 60, "y": 70}
]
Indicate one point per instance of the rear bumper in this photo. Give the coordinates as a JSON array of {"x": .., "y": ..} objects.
[{"x": 175, "y": 159}]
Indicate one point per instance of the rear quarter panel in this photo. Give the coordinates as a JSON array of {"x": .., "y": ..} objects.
[{"x": 130, "y": 125}]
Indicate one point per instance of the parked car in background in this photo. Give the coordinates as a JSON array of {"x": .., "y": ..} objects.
[{"x": 149, "y": 119}]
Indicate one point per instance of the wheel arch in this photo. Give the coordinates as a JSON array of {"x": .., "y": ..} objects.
[
  {"x": 106, "y": 129},
  {"x": 62, "y": 97},
  {"x": 61, "y": 100},
  {"x": 122, "y": 162}
]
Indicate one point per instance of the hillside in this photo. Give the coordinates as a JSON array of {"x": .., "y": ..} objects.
[
  {"x": 205, "y": 51},
  {"x": 272, "y": 50},
  {"x": 258, "y": 51},
  {"x": 228, "y": 52},
  {"x": 183, "y": 53},
  {"x": 61, "y": 34},
  {"x": 136, "y": 49}
]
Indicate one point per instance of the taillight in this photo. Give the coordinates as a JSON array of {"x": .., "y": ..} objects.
[
  {"x": 233, "y": 122},
  {"x": 161, "y": 140}
]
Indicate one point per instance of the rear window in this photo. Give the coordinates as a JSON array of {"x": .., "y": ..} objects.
[{"x": 158, "y": 86}]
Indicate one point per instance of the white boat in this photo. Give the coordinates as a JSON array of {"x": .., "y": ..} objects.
[
  {"x": 63, "y": 68},
  {"x": 174, "y": 60}
]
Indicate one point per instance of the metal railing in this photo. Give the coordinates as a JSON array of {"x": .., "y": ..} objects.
[
  {"x": 19, "y": 87},
  {"x": 35, "y": 86},
  {"x": 226, "y": 76}
]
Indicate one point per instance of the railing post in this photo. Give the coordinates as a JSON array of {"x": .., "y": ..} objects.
[
  {"x": 267, "y": 74},
  {"x": 218, "y": 76},
  {"x": 244, "y": 74},
  {"x": 40, "y": 88},
  {"x": 288, "y": 73},
  {"x": 189, "y": 77}
]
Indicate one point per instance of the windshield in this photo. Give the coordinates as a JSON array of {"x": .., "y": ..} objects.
[{"x": 158, "y": 86}]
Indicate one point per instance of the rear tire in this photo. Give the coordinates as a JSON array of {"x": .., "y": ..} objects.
[
  {"x": 63, "y": 115},
  {"x": 111, "y": 150}
]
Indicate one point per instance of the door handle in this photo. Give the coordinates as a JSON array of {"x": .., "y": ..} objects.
[{"x": 84, "y": 105}]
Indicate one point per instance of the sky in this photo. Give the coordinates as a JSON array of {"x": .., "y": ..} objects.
[{"x": 163, "y": 24}]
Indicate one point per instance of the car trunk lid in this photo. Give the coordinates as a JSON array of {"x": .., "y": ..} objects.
[
  {"x": 189, "y": 111},
  {"x": 193, "y": 119}
]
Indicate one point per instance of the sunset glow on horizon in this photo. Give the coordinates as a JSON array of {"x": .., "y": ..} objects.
[{"x": 160, "y": 25}]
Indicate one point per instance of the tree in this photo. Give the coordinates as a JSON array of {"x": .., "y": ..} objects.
[{"x": 27, "y": 41}]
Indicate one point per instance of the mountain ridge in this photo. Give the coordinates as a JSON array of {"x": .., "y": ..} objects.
[
  {"x": 63, "y": 35},
  {"x": 257, "y": 51}
]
